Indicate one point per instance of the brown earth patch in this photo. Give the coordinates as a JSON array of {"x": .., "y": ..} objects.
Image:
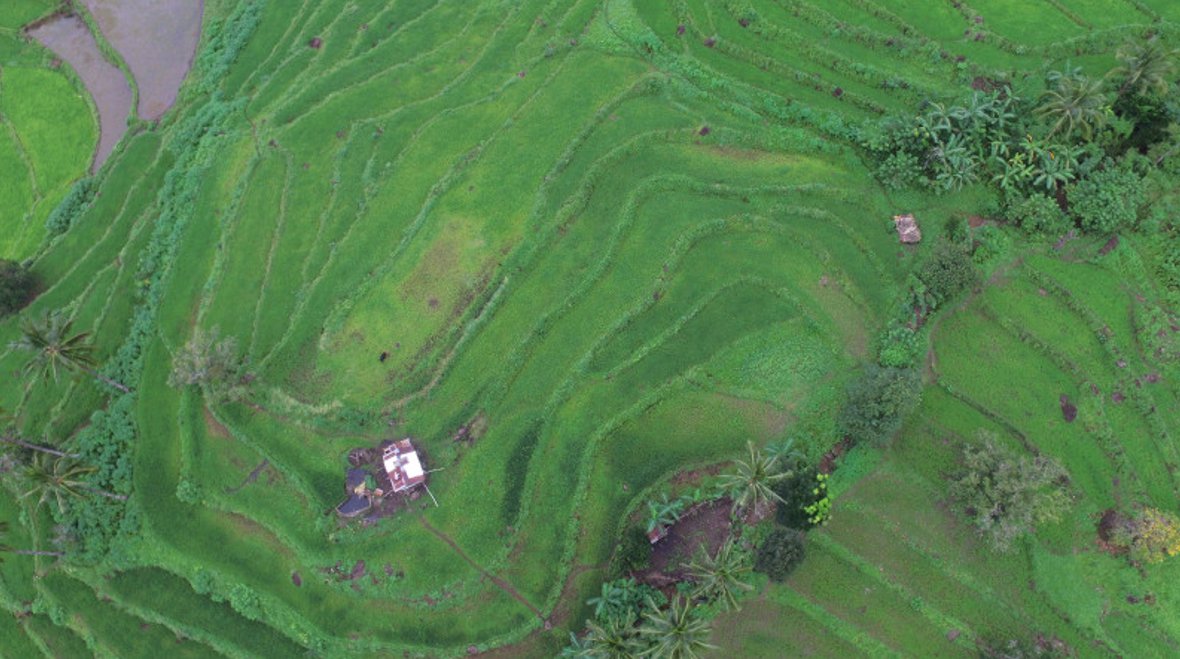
[
  {"x": 214, "y": 427},
  {"x": 705, "y": 525},
  {"x": 1069, "y": 411}
]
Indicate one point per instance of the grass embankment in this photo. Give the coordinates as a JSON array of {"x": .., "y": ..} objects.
[{"x": 690, "y": 255}]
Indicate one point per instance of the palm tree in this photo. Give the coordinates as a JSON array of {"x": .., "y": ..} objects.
[
  {"x": 1074, "y": 103},
  {"x": 1146, "y": 67},
  {"x": 60, "y": 479},
  {"x": 674, "y": 633},
  {"x": 784, "y": 453},
  {"x": 751, "y": 481},
  {"x": 8, "y": 436},
  {"x": 614, "y": 639},
  {"x": 718, "y": 578},
  {"x": 8, "y": 549},
  {"x": 613, "y": 598},
  {"x": 53, "y": 345}
]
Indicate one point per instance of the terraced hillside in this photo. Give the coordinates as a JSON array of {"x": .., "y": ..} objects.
[
  {"x": 47, "y": 131},
  {"x": 571, "y": 247}
]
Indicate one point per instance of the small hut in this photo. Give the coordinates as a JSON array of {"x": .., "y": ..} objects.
[
  {"x": 403, "y": 465},
  {"x": 907, "y": 229},
  {"x": 359, "y": 484}
]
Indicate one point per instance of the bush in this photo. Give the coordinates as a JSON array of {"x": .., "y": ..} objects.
[
  {"x": 1004, "y": 496},
  {"x": 1151, "y": 537},
  {"x": 948, "y": 272},
  {"x": 1036, "y": 213},
  {"x": 780, "y": 553},
  {"x": 898, "y": 346},
  {"x": 16, "y": 286},
  {"x": 1108, "y": 200},
  {"x": 796, "y": 493},
  {"x": 71, "y": 207},
  {"x": 899, "y": 171},
  {"x": 878, "y": 401},
  {"x": 633, "y": 553}
]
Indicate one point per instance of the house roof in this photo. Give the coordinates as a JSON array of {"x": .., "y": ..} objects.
[
  {"x": 907, "y": 228},
  {"x": 403, "y": 465}
]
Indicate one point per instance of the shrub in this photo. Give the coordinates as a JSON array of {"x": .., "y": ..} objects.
[
  {"x": 71, "y": 207},
  {"x": 878, "y": 401},
  {"x": 796, "y": 493},
  {"x": 899, "y": 171},
  {"x": 947, "y": 272},
  {"x": 1151, "y": 537},
  {"x": 1040, "y": 646},
  {"x": 1108, "y": 200},
  {"x": 633, "y": 553},
  {"x": 780, "y": 553},
  {"x": 898, "y": 346},
  {"x": 16, "y": 286},
  {"x": 1004, "y": 496},
  {"x": 1036, "y": 212}
]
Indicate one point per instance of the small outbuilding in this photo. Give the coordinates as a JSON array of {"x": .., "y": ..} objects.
[
  {"x": 403, "y": 465},
  {"x": 907, "y": 229},
  {"x": 357, "y": 484}
]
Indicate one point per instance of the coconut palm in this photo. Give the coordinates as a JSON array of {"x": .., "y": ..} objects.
[
  {"x": 674, "y": 633},
  {"x": 1146, "y": 66},
  {"x": 718, "y": 578},
  {"x": 752, "y": 479},
  {"x": 1074, "y": 103},
  {"x": 55, "y": 347},
  {"x": 8, "y": 549},
  {"x": 60, "y": 479},
  {"x": 8, "y": 436},
  {"x": 784, "y": 453}
]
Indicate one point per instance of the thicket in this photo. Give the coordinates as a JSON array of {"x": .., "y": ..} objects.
[
  {"x": 877, "y": 403},
  {"x": 95, "y": 523},
  {"x": 71, "y": 207},
  {"x": 212, "y": 363},
  {"x": 1150, "y": 537},
  {"x": 16, "y": 286},
  {"x": 796, "y": 493},
  {"x": 1092, "y": 147},
  {"x": 781, "y": 551}
]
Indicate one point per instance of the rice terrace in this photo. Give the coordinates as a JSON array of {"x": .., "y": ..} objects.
[{"x": 590, "y": 328}]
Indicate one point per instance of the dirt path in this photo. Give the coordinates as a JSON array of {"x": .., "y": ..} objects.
[{"x": 500, "y": 583}]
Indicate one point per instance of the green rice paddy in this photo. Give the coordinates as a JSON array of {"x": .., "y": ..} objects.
[{"x": 621, "y": 236}]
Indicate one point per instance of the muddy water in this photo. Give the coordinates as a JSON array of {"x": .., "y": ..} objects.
[
  {"x": 157, "y": 39},
  {"x": 70, "y": 39}
]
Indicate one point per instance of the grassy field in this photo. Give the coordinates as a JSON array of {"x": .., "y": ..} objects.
[
  {"x": 622, "y": 238},
  {"x": 48, "y": 130}
]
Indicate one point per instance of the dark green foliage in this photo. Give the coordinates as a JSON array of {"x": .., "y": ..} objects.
[
  {"x": 76, "y": 201},
  {"x": 1006, "y": 496},
  {"x": 105, "y": 444},
  {"x": 1109, "y": 199},
  {"x": 780, "y": 553},
  {"x": 1035, "y": 212},
  {"x": 16, "y": 285},
  {"x": 226, "y": 39},
  {"x": 245, "y": 601},
  {"x": 899, "y": 170},
  {"x": 878, "y": 401},
  {"x": 948, "y": 272},
  {"x": 797, "y": 492},
  {"x": 624, "y": 599},
  {"x": 633, "y": 553},
  {"x": 899, "y": 345}
]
